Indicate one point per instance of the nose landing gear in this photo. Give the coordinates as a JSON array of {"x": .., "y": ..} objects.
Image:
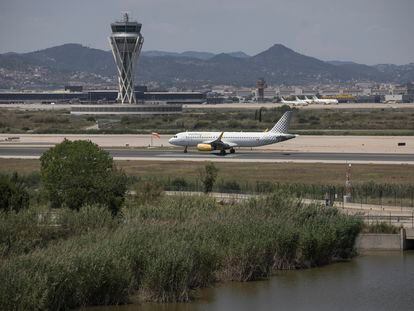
[{"x": 185, "y": 149}]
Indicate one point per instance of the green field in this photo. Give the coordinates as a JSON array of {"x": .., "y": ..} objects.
[
  {"x": 385, "y": 121},
  {"x": 375, "y": 184},
  {"x": 312, "y": 173}
]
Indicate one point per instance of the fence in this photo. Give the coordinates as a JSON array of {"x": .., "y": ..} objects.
[{"x": 366, "y": 193}]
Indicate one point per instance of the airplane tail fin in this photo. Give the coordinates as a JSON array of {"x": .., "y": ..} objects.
[{"x": 282, "y": 126}]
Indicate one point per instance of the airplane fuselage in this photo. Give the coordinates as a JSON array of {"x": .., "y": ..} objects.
[
  {"x": 325, "y": 101},
  {"x": 222, "y": 141},
  {"x": 239, "y": 139}
]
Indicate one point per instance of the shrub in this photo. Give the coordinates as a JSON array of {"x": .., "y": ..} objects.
[
  {"x": 179, "y": 183},
  {"x": 78, "y": 173},
  {"x": 71, "y": 274},
  {"x": 88, "y": 218},
  {"x": 249, "y": 253},
  {"x": 229, "y": 186},
  {"x": 36, "y": 228},
  {"x": 208, "y": 176},
  {"x": 13, "y": 194},
  {"x": 23, "y": 232},
  {"x": 380, "y": 227},
  {"x": 147, "y": 191},
  {"x": 176, "y": 267}
]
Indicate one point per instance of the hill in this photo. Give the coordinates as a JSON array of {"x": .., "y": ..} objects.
[{"x": 278, "y": 65}]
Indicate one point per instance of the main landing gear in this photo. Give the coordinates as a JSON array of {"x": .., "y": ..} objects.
[
  {"x": 223, "y": 151},
  {"x": 185, "y": 149}
]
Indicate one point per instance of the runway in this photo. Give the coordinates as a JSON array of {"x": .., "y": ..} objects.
[{"x": 239, "y": 156}]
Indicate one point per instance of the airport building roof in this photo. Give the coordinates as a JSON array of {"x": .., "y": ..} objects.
[{"x": 101, "y": 95}]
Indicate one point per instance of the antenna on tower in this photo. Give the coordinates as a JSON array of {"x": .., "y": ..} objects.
[{"x": 125, "y": 16}]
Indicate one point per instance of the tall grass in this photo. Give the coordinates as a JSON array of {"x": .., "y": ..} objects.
[
  {"x": 380, "y": 227},
  {"x": 167, "y": 248},
  {"x": 34, "y": 228}
]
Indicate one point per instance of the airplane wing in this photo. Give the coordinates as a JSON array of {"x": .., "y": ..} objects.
[
  {"x": 229, "y": 144},
  {"x": 218, "y": 143},
  {"x": 218, "y": 139}
]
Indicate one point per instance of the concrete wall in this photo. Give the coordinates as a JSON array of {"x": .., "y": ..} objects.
[{"x": 374, "y": 241}]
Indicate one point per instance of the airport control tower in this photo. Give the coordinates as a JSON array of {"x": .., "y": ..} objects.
[
  {"x": 261, "y": 85},
  {"x": 126, "y": 42}
]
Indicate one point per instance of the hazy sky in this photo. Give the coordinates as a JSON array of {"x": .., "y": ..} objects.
[{"x": 365, "y": 31}]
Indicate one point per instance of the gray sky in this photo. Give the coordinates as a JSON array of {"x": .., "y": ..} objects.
[{"x": 365, "y": 31}]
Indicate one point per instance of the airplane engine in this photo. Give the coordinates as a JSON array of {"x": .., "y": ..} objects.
[{"x": 204, "y": 147}]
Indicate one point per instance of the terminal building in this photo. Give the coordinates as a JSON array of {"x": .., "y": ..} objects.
[
  {"x": 126, "y": 109},
  {"x": 100, "y": 97},
  {"x": 104, "y": 102}
]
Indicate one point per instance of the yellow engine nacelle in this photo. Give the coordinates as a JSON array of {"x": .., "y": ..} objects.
[{"x": 204, "y": 147}]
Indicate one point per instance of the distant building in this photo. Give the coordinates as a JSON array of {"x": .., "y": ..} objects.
[
  {"x": 135, "y": 109},
  {"x": 409, "y": 97},
  {"x": 244, "y": 92},
  {"x": 410, "y": 88},
  {"x": 369, "y": 99},
  {"x": 74, "y": 88},
  {"x": 214, "y": 98},
  {"x": 298, "y": 91},
  {"x": 398, "y": 98},
  {"x": 100, "y": 97},
  {"x": 260, "y": 85},
  {"x": 284, "y": 91}
]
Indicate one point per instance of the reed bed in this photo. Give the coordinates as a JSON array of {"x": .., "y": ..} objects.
[{"x": 165, "y": 248}]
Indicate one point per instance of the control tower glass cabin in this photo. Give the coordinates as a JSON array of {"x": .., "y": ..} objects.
[{"x": 126, "y": 42}]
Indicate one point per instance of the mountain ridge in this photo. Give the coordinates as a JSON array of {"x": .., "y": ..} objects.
[{"x": 277, "y": 65}]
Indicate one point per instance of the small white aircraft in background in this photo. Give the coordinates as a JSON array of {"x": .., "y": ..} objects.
[
  {"x": 222, "y": 141},
  {"x": 303, "y": 102},
  {"x": 296, "y": 102},
  {"x": 309, "y": 100},
  {"x": 325, "y": 101}
]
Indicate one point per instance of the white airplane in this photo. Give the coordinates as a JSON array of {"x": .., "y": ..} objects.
[
  {"x": 222, "y": 141},
  {"x": 296, "y": 102},
  {"x": 303, "y": 102},
  {"x": 325, "y": 101},
  {"x": 309, "y": 100}
]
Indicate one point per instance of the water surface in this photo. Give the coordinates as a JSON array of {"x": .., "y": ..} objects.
[{"x": 377, "y": 281}]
